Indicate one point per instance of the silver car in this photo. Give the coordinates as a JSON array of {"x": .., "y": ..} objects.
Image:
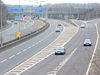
[
  {"x": 87, "y": 42},
  {"x": 57, "y": 30},
  {"x": 60, "y": 50},
  {"x": 83, "y": 26}
]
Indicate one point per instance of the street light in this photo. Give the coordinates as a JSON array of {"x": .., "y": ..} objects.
[
  {"x": 1, "y": 23},
  {"x": 19, "y": 16},
  {"x": 38, "y": 2},
  {"x": 97, "y": 10}
]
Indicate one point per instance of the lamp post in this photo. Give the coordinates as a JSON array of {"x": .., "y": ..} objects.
[
  {"x": 38, "y": 2},
  {"x": 19, "y": 16},
  {"x": 96, "y": 14},
  {"x": 1, "y": 23},
  {"x": 97, "y": 10}
]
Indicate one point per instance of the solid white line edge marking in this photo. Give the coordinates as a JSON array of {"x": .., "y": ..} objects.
[
  {"x": 93, "y": 51},
  {"x": 41, "y": 51},
  {"x": 37, "y": 54}
]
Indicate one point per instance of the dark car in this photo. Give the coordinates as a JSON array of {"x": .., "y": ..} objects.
[
  {"x": 59, "y": 24},
  {"x": 87, "y": 42},
  {"x": 15, "y": 23}
]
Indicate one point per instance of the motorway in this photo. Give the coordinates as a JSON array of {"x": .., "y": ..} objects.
[
  {"x": 24, "y": 28},
  {"x": 76, "y": 59},
  {"x": 18, "y": 54}
]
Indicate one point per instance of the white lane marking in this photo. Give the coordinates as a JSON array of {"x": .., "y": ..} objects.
[
  {"x": 12, "y": 56},
  {"x": 22, "y": 43},
  {"x": 87, "y": 72},
  {"x": 37, "y": 54},
  {"x": 42, "y": 40},
  {"x": 43, "y": 49},
  {"x": 40, "y": 52},
  {"x": 24, "y": 50},
  {"x": 75, "y": 23},
  {"x": 3, "y": 60},
  {"x": 38, "y": 42},
  {"x": 55, "y": 70},
  {"x": 73, "y": 35},
  {"x": 29, "y": 47},
  {"x": 59, "y": 67},
  {"x": 7, "y": 29},
  {"x": 36, "y": 63},
  {"x": 32, "y": 45},
  {"x": 24, "y": 26},
  {"x": 18, "y": 53}
]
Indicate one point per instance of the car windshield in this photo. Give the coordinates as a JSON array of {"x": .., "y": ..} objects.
[
  {"x": 87, "y": 40},
  {"x": 60, "y": 49}
]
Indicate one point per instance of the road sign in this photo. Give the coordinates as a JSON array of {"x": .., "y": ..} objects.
[
  {"x": 18, "y": 18},
  {"x": 15, "y": 10},
  {"x": 39, "y": 10},
  {"x": 18, "y": 34},
  {"x": 39, "y": 26}
]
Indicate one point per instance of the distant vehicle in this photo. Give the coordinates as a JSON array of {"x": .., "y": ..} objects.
[
  {"x": 12, "y": 21},
  {"x": 83, "y": 26},
  {"x": 60, "y": 50},
  {"x": 87, "y": 42},
  {"x": 15, "y": 23},
  {"x": 57, "y": 30},
  {"x": 59, "y": 24}
]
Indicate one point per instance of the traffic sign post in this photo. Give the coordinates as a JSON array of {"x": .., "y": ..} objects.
[
  {"x": 16, "y": 10},
  {"x": 40, "y": 26},
  {"x": 39, "y": 10},
  {"x": 18, "y": 18},
  {"x": 18, "y": 34}
]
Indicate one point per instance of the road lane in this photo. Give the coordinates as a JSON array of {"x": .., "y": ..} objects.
[
  {"x": 48, "y": 65},
  {"x": 27, "y": 44},
  {"x": 79, "y": 61},
  {"x": 22, "y": 52},
  {"x": 93, "y": 68},
  {"x": 24, "y": 28},
  {"x": 78, "y": 64}
]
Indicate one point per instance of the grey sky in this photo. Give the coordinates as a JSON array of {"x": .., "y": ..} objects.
[{"x": 48, "y": 1}]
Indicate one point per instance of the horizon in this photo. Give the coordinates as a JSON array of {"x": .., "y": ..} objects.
[{"x": 42, "y": 2}]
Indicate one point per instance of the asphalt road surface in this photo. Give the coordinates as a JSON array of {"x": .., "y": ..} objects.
[
  {"x": 77, "y": 56},
  {"x": 24, "y": 28},
  {"x": 16, "y": 55}
]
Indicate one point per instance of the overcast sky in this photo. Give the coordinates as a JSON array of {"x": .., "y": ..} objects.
[{"x": 48, "y": 1}]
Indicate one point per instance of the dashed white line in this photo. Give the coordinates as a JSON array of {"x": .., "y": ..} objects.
[
  {"x": 18, "y": 53},
  {"x": 87, "y": 72},
  {"x": 12, "y": 56},
  {"x": 24, "y": 50},
  {"x": 3, "y": 60},
  {"x": 36, "y": 54},
  {"x": 29, "y": 47},
  {"x": 55, "y": 70}
]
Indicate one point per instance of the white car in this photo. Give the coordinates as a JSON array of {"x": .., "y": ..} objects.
[
  {"x": 60, "y": 50},
  {"x": 57, "y": 30},
  {"x": 87, "y": 42},
  {"x": 83, "y": 26}
]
